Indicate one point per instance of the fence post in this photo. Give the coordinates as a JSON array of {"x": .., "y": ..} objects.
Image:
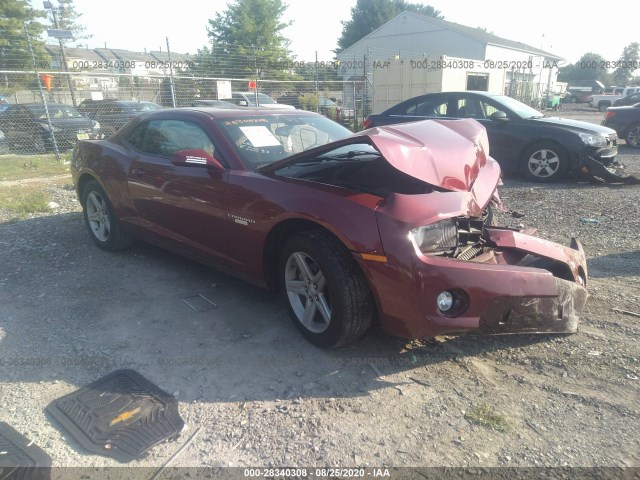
[
  {"x": 355, "y": 106},
  {"x": 316, "y": 85},
  {"x": 42, "y": 97}
]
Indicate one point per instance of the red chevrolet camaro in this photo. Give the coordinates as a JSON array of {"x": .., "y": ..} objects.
[{"x": 392, "y": 225}]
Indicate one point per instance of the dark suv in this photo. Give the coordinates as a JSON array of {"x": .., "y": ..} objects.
[{"x": 113, "y": 114}]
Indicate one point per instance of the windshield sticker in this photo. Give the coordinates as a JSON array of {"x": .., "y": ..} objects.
[
  {"x": 240, "y": 121},
  {"x": 260, "y": 136}
]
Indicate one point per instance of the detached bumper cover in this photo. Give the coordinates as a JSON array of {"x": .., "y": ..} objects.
[
  {"x": 536, "y": 315},
  {"x": 614, "y": 173}
]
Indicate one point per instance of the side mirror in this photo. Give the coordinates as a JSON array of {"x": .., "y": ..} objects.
[
  {"x": 243, "y": 103},
  {"x": 499, "y": 116},
  {"x": 196, "y": 158}
]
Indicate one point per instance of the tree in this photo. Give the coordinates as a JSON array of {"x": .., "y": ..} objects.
[
  {"x": 367, "y": 15},
  {"x": 628, "y": 63},
  {"x": 245, "y": 38},
  {"x": 14, "y": 49},
  {"x": 68, "y": 20},
  {"x": 585, "y": 71}
]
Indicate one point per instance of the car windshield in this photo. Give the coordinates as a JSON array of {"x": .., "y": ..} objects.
[
  {"x": 143, "y": 107},
  {"x": 55, "y": 111},
  {"x": 263, "y": 139},
  {"x": 522, "y": 110}
]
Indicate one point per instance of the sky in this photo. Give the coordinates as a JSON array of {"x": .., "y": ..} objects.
[{"x": 562, "y": 28}]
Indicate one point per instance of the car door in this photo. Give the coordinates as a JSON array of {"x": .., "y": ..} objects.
[
  {"x": 184, "y": 204},
  {"x": 503, "y": 145}
]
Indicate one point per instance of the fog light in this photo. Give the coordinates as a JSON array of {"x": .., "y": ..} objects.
[{"x": 445, "y": 301}]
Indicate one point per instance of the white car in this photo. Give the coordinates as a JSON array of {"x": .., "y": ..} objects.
[{"x": 248, "y": 99}]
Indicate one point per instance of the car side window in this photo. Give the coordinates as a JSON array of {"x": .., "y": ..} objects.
[
  {"x": 166, "y": 137},
  {"x": 469, "y": 107},
  {"x": 432, "y": 107},
  {"x": 488, "y": 108}
]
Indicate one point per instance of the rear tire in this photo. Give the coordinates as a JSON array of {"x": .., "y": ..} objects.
[
  {"x": 326, "y": 293},
  {"x": 633, "y": 136},
  {"x": 101, "y": 220}
]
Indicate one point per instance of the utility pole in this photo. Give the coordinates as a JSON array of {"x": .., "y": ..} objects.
[
  {"x": 173, "y": 91},
  {"x": 54, "y": 12}
]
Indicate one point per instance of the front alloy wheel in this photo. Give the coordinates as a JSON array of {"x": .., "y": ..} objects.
[
  {"x": 305, "y": 284},
  {"x": 326, "y": 293},
  {"x": 544, "y": 163}
]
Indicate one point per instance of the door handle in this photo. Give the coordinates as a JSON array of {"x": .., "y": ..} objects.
[{"x": 138, "y": 171}]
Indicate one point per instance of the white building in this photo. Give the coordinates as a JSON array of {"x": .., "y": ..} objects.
[{"x": 523, "y": 71}]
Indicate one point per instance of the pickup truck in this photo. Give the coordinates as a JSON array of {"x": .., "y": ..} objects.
[{"x": 602, "y": 102}]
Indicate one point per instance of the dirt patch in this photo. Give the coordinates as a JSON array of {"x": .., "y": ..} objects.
[{"x": 262, "y": 396}]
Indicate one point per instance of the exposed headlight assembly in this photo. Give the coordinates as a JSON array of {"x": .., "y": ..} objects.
[
  {"x": 438, "y": 238},
  {"x": 593, "y": 140}
]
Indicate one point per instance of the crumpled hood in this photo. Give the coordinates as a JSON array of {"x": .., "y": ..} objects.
[{"x": 443, "y": 153}]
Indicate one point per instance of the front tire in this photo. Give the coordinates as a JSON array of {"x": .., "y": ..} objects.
[
  {"x": 100, "y": 219},
  {"x": 633, "y": 136},
  {"x": 325, "y": 291},
  {"x": 544, "y": 162},
  {"x": 602, "y": 106}
]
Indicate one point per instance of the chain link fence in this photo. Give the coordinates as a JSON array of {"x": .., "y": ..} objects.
[
  {"x": 50, "y": 97},
  {"x": 34, "y": 122}
]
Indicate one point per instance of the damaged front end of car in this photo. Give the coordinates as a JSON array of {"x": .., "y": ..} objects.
[
  {"x": 449, "y": 269},
  {"x": 443, "y": 267}
]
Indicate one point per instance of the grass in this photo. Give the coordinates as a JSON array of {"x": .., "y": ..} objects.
[
  {"x": 19, "y": 167},
  {"x": 22, "y": 200},
  {"x": 19, "y": 201},
  {"x": 487, "y": 417}
]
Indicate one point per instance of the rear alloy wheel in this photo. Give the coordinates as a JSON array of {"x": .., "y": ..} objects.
[
  {"x": 100, "y": 220},
  {"x": 633, "y": 136},
  {"x": 544, "y": 162},
  {"x": 327, "y": 295}
]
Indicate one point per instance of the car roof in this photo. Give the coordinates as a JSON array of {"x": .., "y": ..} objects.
[
  {"x": 240, "y": 112},
  {"x": 251, "y": 93},
  {"x": 42, "y": 105}
]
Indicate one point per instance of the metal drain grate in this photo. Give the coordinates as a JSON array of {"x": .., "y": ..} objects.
[{"x": 121, "y": 415}]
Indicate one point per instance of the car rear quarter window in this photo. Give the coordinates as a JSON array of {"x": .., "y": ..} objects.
[
  {"x": 135, "y": 139},
  {"x": 166, "y": 137}
]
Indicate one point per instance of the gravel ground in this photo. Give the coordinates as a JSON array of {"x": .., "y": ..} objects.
[{"x": 262, "y": 396}]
